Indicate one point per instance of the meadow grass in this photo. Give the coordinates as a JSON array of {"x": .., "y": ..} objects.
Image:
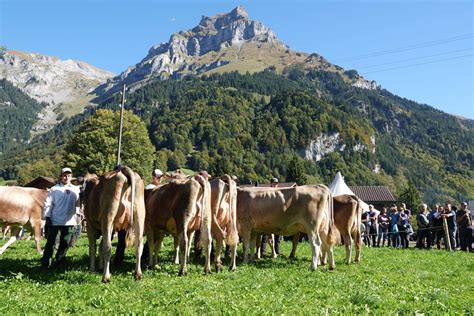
[{"x": 387, "y": 281}]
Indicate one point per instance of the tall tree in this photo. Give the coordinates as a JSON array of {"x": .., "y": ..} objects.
[
  {"x": 93, "y": 146},
  {"x": 296, "y": 171},
  {"x": 411, "y": 197}
]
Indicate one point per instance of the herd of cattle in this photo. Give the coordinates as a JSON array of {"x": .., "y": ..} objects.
[{"x": 219, "y": 209}]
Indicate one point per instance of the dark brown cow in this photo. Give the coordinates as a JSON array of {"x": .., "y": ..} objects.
[
  {"x": 224, "y": 218},
  {"x": 19, "y": 207},
  {"x": 286, "y": 211},
  {"x": 179, "y": 208},
  {"x": 347, "y": 219},
  {"x": 114, "y": 202}
]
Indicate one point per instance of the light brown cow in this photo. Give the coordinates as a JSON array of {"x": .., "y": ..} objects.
[
  {"x": 287, "y": 211},
  {"x": 347, "y": 219},
  {"x": 224, "y": 218},
  {"x": 114, "y": 202},
  {"x": 179, "y": 208},
  {"x": 19, "y": 207}
]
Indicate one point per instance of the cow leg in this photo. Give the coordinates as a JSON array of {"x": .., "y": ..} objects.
[
  {"x": 327, "y": 250},
  {"x": 271, "y": 241},
  {"x": 207, "y": 242},
  {"x": 150, "y": 238},
  {"x": 295, "y": 241},
  {"x": 258, "y": 245},
  {"x": 92, "y": 246},
  {"x": 315, "y": 243},
  {"x": 253, "y": 242},
  {"x": 37, "y": 232},
  {"x": 139, "y": 225},
  {"x": 101, "y": 255},
  {"x": 183, "y": 246},
  {"x": 358, "y": 246},
  {"x": 15, "y": 234},
  {"x": 190, "y": 246},
  {"x": 233, "y": 258},
  {"x": 246, "y": 245},
  {"x": 348, "y": 245},
  {"x": 217, "y": 256},
  {"x": 106, "y": 250},
  {"x": 176, "y": 250}
]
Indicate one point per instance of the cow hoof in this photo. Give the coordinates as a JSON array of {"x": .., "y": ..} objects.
[
  {"x": 232, "y": 269},
  {"x": 207, "y": 270},
  {"x": 332, "y": 268},
  {"x": 105, "y": 280},
  {"x": 138, "y": 276},
  {"x": 182, "y": 273},
  {"x": 218, "y": 267}
]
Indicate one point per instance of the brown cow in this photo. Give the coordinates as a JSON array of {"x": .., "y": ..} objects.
[
  {"x": 179, "y": 208},
  {"x": 114, "y": 202},
  {"x": 22, "y": 206},
  {"x": 286, "y": 211},
  {"x": 224, "y": 216},
  {"x": 347, "y": 219}
]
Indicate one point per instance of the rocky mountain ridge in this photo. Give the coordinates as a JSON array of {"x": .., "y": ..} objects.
[
  {"x": 65, "y": 85},
  {"x": 222, "y": 43}
]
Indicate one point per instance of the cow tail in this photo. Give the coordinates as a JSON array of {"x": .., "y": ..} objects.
[
  {"x": 358, "y": 218},
  {"x": 131, "y": 178},
  {"x": 232, "y": 235},
  {"x": 332, "y": 231},
  {"x": 206, "y": 216}
]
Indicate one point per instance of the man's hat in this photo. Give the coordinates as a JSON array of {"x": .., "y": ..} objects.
[
  {"x": 157, "y": 173},
  {"x": 66, "y": 170}
]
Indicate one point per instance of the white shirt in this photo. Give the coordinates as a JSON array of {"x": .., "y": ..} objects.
[
  {"x": 62, "y": 205},
  {"x": 150, "y": 186}
]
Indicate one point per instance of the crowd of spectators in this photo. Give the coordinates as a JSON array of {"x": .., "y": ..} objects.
[{"x": 396, "y": 227}]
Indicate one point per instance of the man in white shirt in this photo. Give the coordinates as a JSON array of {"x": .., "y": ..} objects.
[
  {"x": 156, "y": 177},
  {"x": 60, "y": 211}
]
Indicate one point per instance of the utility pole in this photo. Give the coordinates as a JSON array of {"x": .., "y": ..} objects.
[{"x": 121, "y": 125}]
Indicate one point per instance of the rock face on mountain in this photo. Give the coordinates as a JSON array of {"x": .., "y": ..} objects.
[
  {"x": 222, "y": 43},
  {"x": 63, "y": 84}
]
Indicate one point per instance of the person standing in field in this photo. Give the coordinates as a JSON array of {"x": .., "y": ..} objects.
[
  {"x": 156, "y": 177},
  {"x": 394, "y": 218},
  {"x": 384, "y": 222},
  {"x": 464, "y": 221},
  {"x": 61, "y": 208},
  {"x": 423, "y": 236}
]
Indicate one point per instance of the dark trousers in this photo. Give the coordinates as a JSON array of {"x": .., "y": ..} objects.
[
  {"x": 64, "y": 239},
  {"x": 423, "y": 238},
  {"x": 465, "y": 237}
]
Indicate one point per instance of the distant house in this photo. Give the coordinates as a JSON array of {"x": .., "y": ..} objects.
[{"x": 378, "y": 196}]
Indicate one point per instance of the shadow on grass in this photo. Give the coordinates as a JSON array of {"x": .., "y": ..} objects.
[{"x": 30, "y": 268}]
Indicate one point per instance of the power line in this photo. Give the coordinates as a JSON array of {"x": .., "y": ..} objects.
[
  {"x": 407, "y": 48},
  {"x": 417, "y": 58},
  {"x": 418, "y": 64}
]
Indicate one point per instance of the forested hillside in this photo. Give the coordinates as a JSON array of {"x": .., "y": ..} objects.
[
  {"x": 253, "y": 125},
  {"x": 18, "y": 113}
]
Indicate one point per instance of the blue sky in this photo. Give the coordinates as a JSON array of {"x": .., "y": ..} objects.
[{"x": 420, "y": 50}]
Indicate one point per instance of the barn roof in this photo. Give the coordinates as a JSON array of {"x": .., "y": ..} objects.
[{"x": 373, "y": 193}]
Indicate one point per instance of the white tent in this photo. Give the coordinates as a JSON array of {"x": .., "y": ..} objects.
[{"x": 339, "y": 187}]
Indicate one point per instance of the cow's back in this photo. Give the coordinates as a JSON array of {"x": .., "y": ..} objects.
[
  {"x": 19, "y": 205},
  {"x": 345, "y": 212},
  {"x": 279, "y": 210}
]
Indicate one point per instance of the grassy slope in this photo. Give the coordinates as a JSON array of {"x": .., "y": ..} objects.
[{"x": 387, "y": 281}]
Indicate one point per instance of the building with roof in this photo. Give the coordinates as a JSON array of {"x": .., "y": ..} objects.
[{"x": 379, "y": 196}]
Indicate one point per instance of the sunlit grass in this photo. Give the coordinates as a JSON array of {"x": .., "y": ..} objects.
[{"x": 387, "y": 281}]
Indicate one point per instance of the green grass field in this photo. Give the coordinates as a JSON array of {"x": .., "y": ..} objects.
[{"x": 388, "y": 281}]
